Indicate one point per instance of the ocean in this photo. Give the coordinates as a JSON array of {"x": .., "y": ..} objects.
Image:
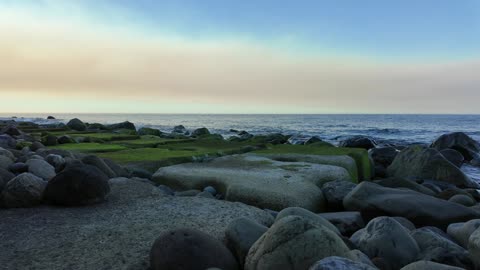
[{"x": 387, "y": 128}]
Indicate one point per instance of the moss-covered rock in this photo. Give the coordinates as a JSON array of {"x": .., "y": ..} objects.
[{"x": 149, "y": 131}]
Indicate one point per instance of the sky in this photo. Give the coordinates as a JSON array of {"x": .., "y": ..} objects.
[{"x": 249, "y": 56}]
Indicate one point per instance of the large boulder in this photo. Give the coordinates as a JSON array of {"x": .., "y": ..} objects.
[
  {"x": 241, "y": 234},
  {"x": 100, "y": 164},
  {"x": 358, "y": 142},
  {"x": 200, "y": 132},
  {"x": 117, "y": 234},
  {"x": 461, "y": 231},
  {"x": 5, "y": 176},
  {"x": 77, "y": 185},
  {"x": 459, "y": 141},
  {"x": 25, "y": 190},
  {"x": 149, "y": 131},
  {"x": 395, "y": 182},
  {"x": 312, "y": 217},
  {"x": 382, "y": 157},
  {"x": 57, "y": 161},
  {"x": 76, "y": 124},
  {"x": 49, "y": 140},
  {"x": 423, "y": 210},
  {"x": 256, "y": 180},
  {"x": 435, "y": 247},
  {"x": 65, "y": 139},
  {"x": 427, "y": 265},
  {"x": 385, "y": 238},
  {"x": 190, "y": 249},
  {"x": 6, "y": 141},
  {"x": 180, "y": 129},
  {"x": 10, "y": 130},
  {"x": 294, "y": 242},
  {"x": 346, "y": 222},
  {"x": 335, "y": 263},
  {"x": 335, "y": 191},
  {"x": 416, "y": 162},
  {"x": 452, "y": 155},
  {"x": 474, "y": 247},
  {"x": 41, "y": 168},
  {"x": 7, "y": 153},
  {"x": 5, "y": 162}
]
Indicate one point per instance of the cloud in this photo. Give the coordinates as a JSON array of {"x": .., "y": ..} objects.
[{"x": 57, "y": 63}]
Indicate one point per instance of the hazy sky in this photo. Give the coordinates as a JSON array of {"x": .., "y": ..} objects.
[{"x": 242, "y": 56}]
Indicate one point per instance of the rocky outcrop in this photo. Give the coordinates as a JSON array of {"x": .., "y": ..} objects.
[
  {"x": 423, "y": 210},
  {"x": 416, "y": 162}
]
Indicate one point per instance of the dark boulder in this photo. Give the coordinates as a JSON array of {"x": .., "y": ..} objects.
[
  {"x": 5, "y": 176},
  {"x": 50, "y": 117},
  {"x": 6, "y": 141},
  {"x": 96, "y": 126},
  {"x": 65, "y": 139},
  {"x": 123, "y": 125},
  {"x": 190, "y": 249},
  {"x": 18, "y": 168},
  {"x": 76, "y": 124},
  {"x": 200, "y": 132},
  {"x": 459, "y": 141},
  {"x": 36, "y": 145},
  {"x": 77, "y": 185},
  {"x": 452, "y": 155},
  {"x": 180, "y": 129},
  {"x": 11, "y": 130},
  {"x": 149, "y": 131},
  {"x": 358, "y": 142},
  {"x": 25, "y": 190},
  {"x": 100, "y": 164},
  {"x": 49, "y": 140}
]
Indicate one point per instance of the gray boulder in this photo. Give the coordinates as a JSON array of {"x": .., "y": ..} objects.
[
  {"x": 76, "y": 124},
  {"x": 394, "y": 182},
  {"x": 36, "y": 145},
  {"x": 149, "y": 131},
  {"x": 459, "y": 141},
  {"x": 346, "y": 222},
  {"x": 474, "y": 247},
  {"x": 180, "y": 129},
  {"x": 190, "y": 249},
  {"x": 312, "y": 217},
  {"x": 335, "y": 191},
  {"x": 123, "y": 125},
  {"x": 25, "y": 190},
  {"x": 335, "y": 263},
  {"x": 416, "y": 162},
  {"x": 49, "y": 140},
  {"x": 358, "y": 142},
  {"x": 294, "y": 243},
  {"x": 57, "y": 161},
  {"x": 452, "y": 155},
  {"x": 117, "y": 169},
  {"x": 65, "y": 139},
  {"x": 100, "y": 164},
  {"x": 241, "y": 234},
  {"x": 200, "y": 132},
  {"x": 462, "y": 199},
  {"x": 460, "y": 232},
  {"x": 7, "y": 153},
  {"x": 5, "y": 162},
  {"x": 41, "y": 168},
  {"x": 7, "y": 142},
  {"x": 427, "y": 265},
  {"x": 434, "y": 247},
  {"x": 5, "y": 176},
  {"x": 77, "y": 185},
  {"x": 18, "y": 168},
  {"x": 384, "y": 237},
  {"x": 374, "y": 200}
]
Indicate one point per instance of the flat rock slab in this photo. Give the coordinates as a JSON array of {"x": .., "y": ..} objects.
[
  {"x": 256, "y": 180},
  {"x": 117, "y": 234}
]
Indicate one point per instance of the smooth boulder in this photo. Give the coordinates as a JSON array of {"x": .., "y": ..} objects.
[
  {"x": 240, "y": 236},
  {"x": 459, "y": 141},
  {"x": 416, "y": 162},
  {"x": 461, "y": 231},
  {"x": 358, "y": 142},
  {"x": 188, "y": 249},
  {"x": 336, "y": 263},
  {"x": 41, "y": 168},
  {"x": 346, "y": 222},
  {"x": 292, "y": 243},
  {"x": 427, "y": 265},
  {"x": 100, "y": 164},
  {"x": 77, "y": 185},
  {"x": 76, "y": 124},
  {"x": 25, "y": 190},
  {"x": 423, "y": 210},
  {"x": 335, "y": 191},
  {"x": 452, "y": 155},
  {"x": 384, "y": 237},
  {"x": 304, "y": 213}
]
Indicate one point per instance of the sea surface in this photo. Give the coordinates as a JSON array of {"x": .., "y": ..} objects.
[{"x": 387, "y": 128}]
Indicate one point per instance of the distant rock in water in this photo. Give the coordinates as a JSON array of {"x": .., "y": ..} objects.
[
  {"x": 50, "y": 117},
  {"x": 123, "y": 125},
  {"x": 358, "y": 142}
]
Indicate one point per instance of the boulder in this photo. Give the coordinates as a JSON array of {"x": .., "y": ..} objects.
[
  {"x": 459, "y": 141},
  {"x": 100, "y": 164},
  {"x": 96, "y": 126},
  {"x": 5, "y": 176},
  {"x": 149, "y": 131},
  {"x": 462, "y": 199},
  {"x": 358, "y": 142},
  {"x": 374, "y": 200},
  {"x": 57, "y": 161},
  {"x": 18, "y": 168},
  {"x": 294, "y": 243},
  {"x": 335, "y": 263},
  {"x": 65, "y": 139},
  {"x": 7, "y": 153},
  {"x": 256, "y": 180},
  {"x": 50, "y": 140},
  {"x": 180, "y": 129},
  {"x": 461, "y": 231},
  {"x": 117, "y": 169},
  {"x": 312, "y": 217},
  {"x": 383, "y": 155},
  {"x": 123, "y": 125},
  {"x": 407, "y": 224},
  {"x": 7, "y": 142},
  {"x": 346, "y": 222},
  {"x": 426, "y": 265},
  {"x": 36, "y": 145},
  {"x": 77, "y": 185},
  {"x": 452, "y": 155},
  {"x": 335, "y": 191},
  {"x": 10, "y": 130},
  {"x": 474, "y": 247},
  {"x": 25, "y": 190},
  {"x": 200, "y": 132},
  {"x": 416, "y": 162},
  {"x": 41, "y": 168},
  {"x": 5, "y": 162},
  {"x": 76, "y": 124},
  {"x": 384, "y": 237},
  {"x": 395, "y": 182},
  {"x": 50, "y": 117},
  {"x": 241, "y": 234},
  {"x": 434, "y": 247},
  {"x": 190, "y": 249}
]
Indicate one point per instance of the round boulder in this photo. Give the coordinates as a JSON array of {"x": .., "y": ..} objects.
[
  {"x": 452, "y": 155},
  {"x": 335, "y": 191},
  {"x": 358, "y": 142},
  {"x": 294, "y": 242},
  {"x": 461, "y": 231},
  {"x": 57, "y": 161},
  {"x": 25, "y": 190},
  {"x": 76, "y": 124},
  {"x": 335, "y": 263},
  {"x": 77, "y": 185},
  {"x": 200, "y": 132},
  {"x": 462, "y": 199},
  {"x": 184, "y": 249},
  {"x": 41, "y": 168},
  {"x": 241, "y": 234},
  {"x": 5, "y": 162}
]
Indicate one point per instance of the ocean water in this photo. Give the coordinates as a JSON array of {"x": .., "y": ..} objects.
[{"x": 397, "y": 129}]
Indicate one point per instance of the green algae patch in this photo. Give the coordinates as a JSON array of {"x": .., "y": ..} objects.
[
  {"x": 89, "y": 147},
  {"x": 150, "y": 141},
  {"x": 364, "y": 167},
  {"x": 105, "y": 136}
]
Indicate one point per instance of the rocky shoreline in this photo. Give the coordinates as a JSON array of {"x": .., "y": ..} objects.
[{"x": 93, "y": 196}]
